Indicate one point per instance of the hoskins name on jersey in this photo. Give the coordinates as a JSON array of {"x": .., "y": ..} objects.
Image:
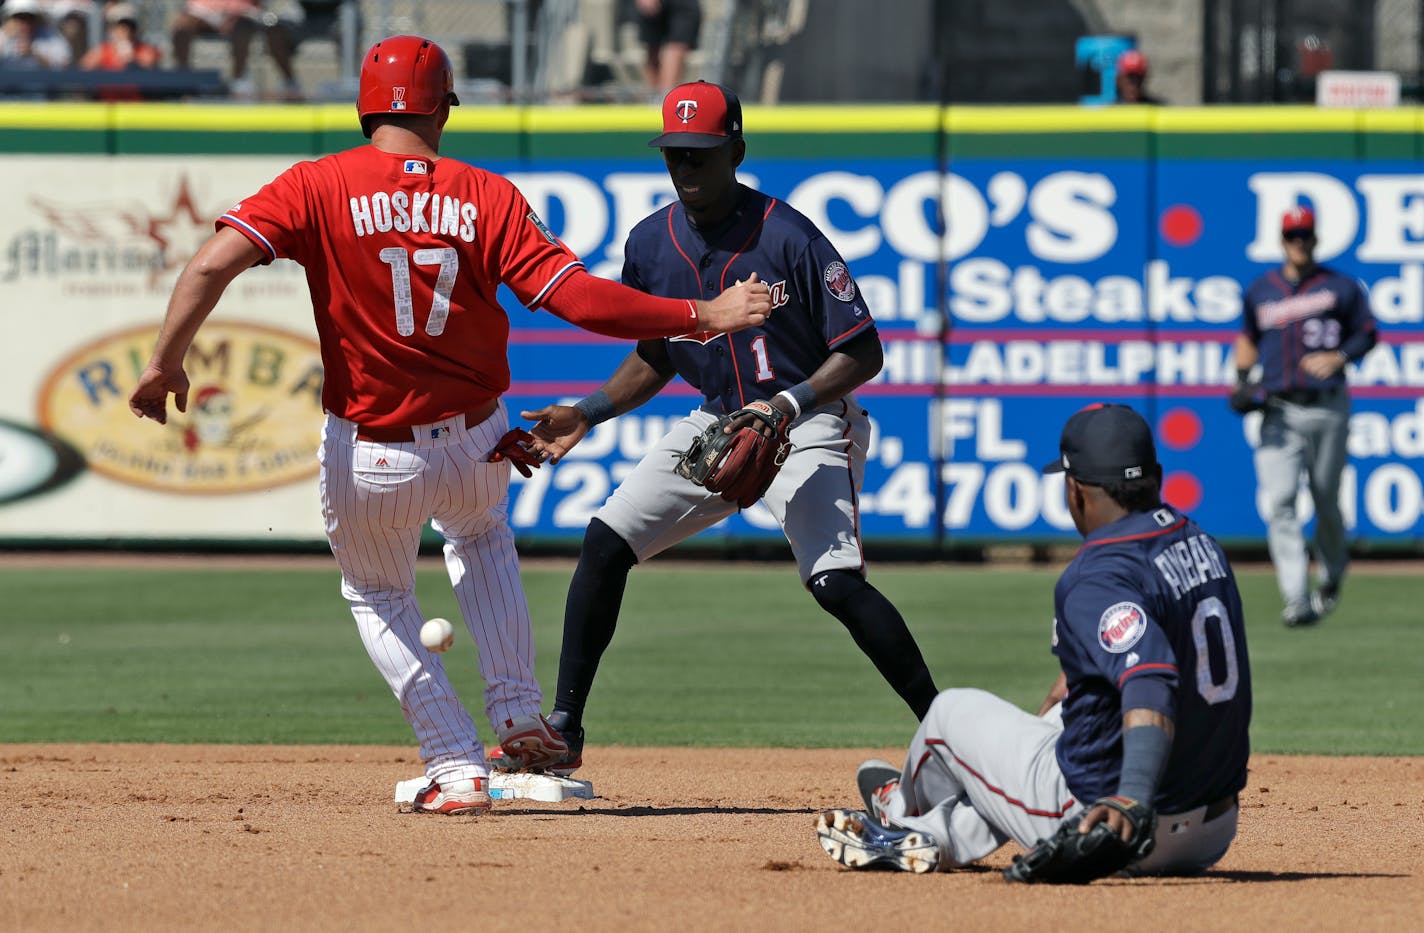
[
  {"x": 1190, "y": 563},
  {"x": 413, "y": 212}
]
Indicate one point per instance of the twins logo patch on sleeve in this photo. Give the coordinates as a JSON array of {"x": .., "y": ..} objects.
[
  {"x": 1122, "y": 625},
  {"x": 838, "y": 281}
]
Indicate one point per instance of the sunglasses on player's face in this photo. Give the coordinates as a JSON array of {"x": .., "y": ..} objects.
[{"x": 1297, "y": 236}]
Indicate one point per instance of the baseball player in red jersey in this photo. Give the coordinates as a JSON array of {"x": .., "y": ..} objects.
[{"x": 403, "y": 252}]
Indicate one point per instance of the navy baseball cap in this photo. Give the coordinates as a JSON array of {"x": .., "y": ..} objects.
[
  {"x": 1105, "y": 443},
  {"x": 699, "y": 116}
]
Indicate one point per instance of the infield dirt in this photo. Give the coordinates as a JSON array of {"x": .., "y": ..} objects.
[{"x": 168, "y": 837}]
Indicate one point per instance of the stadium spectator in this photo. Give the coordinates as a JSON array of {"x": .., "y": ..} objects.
[
  {"x": 28, "y": 41},
  {"x": 668, "y": 30},
  {"x": 239, "y": 21},
  {"x": 71, "y": 19},
  {"x": 1132, "y": 79},
  {"x": 122, "y": 47}
]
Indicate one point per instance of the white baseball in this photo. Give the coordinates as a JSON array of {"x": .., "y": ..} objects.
[{"x": 437, "y": 635}]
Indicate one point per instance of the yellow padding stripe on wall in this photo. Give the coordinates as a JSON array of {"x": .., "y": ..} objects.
[{"x": 801, "y": 119}]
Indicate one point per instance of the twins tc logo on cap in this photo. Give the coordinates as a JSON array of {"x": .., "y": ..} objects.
[
  {"x": 397, "y": 98},
  {"x": 1121, "y": 627},
  {"x": 686, "y": 110}
]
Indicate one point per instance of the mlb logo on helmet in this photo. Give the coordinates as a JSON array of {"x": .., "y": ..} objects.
[{"x": 397, "y": 98}]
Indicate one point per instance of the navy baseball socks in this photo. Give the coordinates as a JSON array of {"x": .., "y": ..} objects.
[
  {"x": 857, "y": 841},
  {"x": 878, "y": 629}
]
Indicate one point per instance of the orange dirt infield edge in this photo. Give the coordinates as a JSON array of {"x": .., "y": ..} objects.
[{"x": 180, "y": 837}]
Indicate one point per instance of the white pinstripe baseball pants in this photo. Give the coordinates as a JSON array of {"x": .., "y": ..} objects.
[{"x": 376, "y": 499}]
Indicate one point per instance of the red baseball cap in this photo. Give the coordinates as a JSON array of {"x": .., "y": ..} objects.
[
  {"x": 699, "y": 116},
  {"x": 1298, "y": 218},
  {"x": 1132, "y": 62}
]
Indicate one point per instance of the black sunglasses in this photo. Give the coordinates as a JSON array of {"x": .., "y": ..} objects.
[{"x": 1298, "y": 235}]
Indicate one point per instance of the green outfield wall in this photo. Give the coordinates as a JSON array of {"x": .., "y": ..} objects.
[{"x": 775, "y": 132}]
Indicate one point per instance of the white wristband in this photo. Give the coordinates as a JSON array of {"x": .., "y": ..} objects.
[{"x": 795, "y": 407}]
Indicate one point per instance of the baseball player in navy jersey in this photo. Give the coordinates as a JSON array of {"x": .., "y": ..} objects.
[
  {"x": 1152, "y": 705},
  {"x": 816, "y": 347},
  {"x": 403, "y": 251},
  {"x": 1303, "y": 323}
]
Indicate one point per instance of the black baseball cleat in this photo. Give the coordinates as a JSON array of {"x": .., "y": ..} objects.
[
  {"x": 1299, "y": 618},
  {"x": 572, "y": 760}
]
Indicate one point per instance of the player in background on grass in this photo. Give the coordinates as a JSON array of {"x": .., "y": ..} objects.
[
  {"x": 806, "y": 360},
  {"x": 1152, "y": 706},
  {"x": 403, "y": 251},
  {"x": 1302, "y": 323}
]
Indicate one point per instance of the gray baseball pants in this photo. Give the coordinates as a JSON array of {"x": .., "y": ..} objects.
[
  {"x": 980, "y": 771},
  {"x": 1304, "y": 440}
]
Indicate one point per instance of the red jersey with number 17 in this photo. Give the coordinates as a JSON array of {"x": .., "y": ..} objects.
[{"x": 403, "y": 256}]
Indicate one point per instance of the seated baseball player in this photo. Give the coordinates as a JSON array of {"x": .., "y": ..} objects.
[{"x": 1135, "y": 759}]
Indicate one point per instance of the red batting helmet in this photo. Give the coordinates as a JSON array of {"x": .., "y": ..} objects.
[
  {"x": 1132, "y": 62},
  {"x": 404, "y": 74}
]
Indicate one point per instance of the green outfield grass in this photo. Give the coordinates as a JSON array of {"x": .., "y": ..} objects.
[{"x": 724, "y": 654}]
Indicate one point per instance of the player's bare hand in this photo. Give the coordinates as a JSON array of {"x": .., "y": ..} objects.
[
  {"x": 745, "y": 304},
  {"x": 1322, "y": 364},
  {"x": 557, "y": 429},
  {"x": 1056, "y": 693},
  {"x": 150, "y": 397},
  {"x": 1117, "y": 821}
]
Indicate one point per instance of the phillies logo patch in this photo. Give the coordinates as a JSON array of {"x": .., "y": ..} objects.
[
  {"x": 1121, "y": 627},
  {"x": 686, "y": 110},
  {"x": 397, "y": 98},
  {"x": 839, "y": 282}
]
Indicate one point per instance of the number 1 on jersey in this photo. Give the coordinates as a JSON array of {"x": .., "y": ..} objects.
[
  {"x": 763, "y": 364},
  {"x": 449, "y": 262}
]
